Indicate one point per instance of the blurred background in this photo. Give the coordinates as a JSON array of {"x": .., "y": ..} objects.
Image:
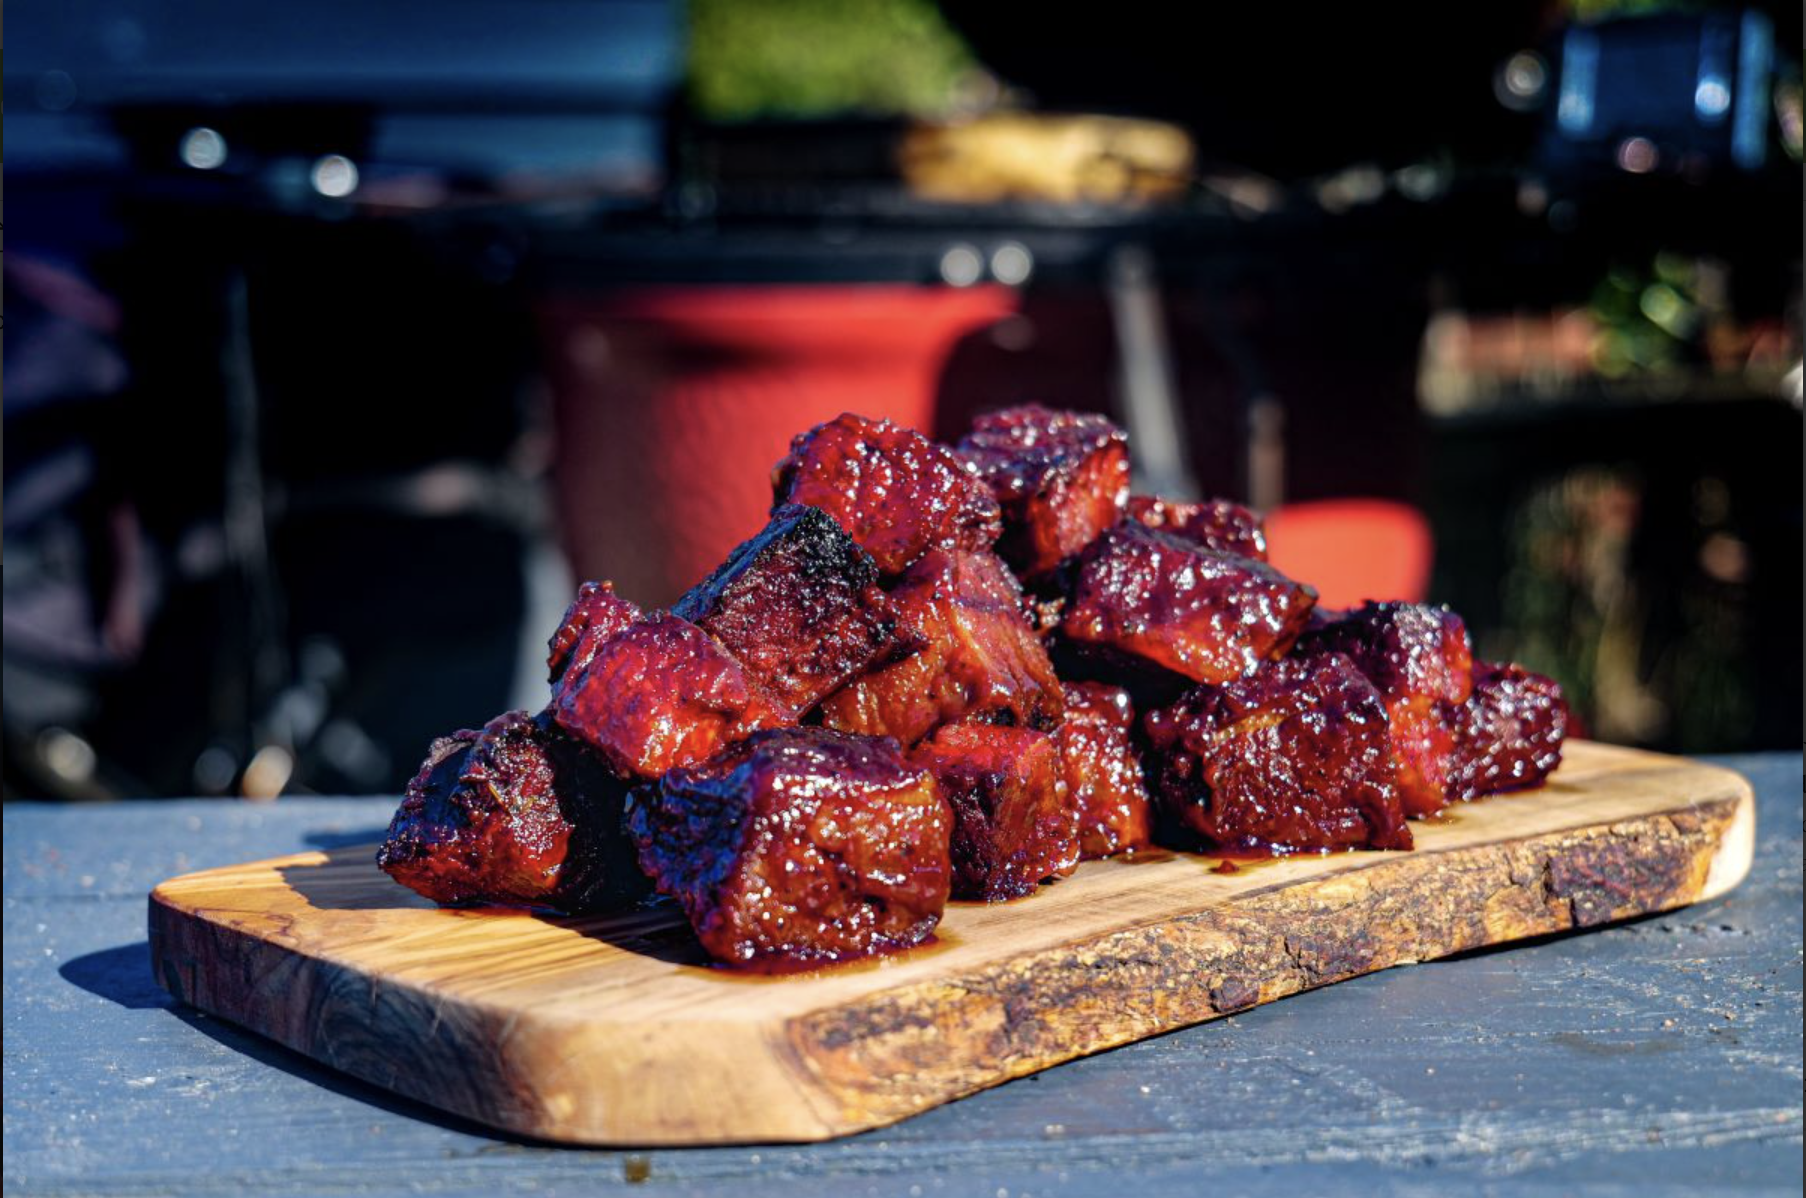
[{"x": 346, "y": 338}]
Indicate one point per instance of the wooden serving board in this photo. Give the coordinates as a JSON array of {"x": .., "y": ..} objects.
[{"x": 616, "y": 1031}]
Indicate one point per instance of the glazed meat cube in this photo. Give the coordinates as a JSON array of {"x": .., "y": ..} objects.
[
  {"x": 1296, "y": 757},
  {"x": 518, "y": 813},
  {"x": 1062, "y": 478},
  {"x": 1102, "y": 771},
  {"x": 800, "y": 845},
  {"x": 1403, "y": 648},
  {"x": 1207, "y": 615},
  {"x": 896, "y": 493},
  {"x": 1215, "y": 524},
  {"x": 660, "y": 694},
  {"x": 979, "y": 656},
  {"x": 1420, "y": 660},
  {"x": 799, "y": 606},
  {"x": 1508, "y": 734},
  {"x": 596, "y": 614},
  {"x": 1012, "y": 823}
]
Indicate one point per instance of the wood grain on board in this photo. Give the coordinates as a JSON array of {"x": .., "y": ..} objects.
[{"x": 616, "y": 1030}]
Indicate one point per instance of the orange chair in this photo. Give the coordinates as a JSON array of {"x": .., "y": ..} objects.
[{"x": 1353, "y": 550}]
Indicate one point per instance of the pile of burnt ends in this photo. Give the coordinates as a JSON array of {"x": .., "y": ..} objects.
[{"x": 921, "y": 681}]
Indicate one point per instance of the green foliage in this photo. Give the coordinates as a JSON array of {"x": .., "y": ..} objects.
[
  {"x": 798, "y": 58},
  {"x": 1645, "y": 657},
  {"x": 1649, "y": 319}
]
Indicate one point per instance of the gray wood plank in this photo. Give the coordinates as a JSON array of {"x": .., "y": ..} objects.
[{"x": 1659, "y": 1057}]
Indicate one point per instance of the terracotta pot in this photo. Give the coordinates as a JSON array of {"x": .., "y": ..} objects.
[{"x": 672, "y": 404}]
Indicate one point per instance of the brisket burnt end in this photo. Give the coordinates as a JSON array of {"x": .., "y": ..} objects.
[
  {"x": 1013, "y": 826},
  {"x": 1102, "y": 770},
  {"x": 799, "y": 606},
  {"x": 1420, "y": 660},
  {"x": 1174, "y": 604},
  {"x": 660, "y": 694},
  {"x": 1215, "y": 524},
  {"x": 799, "y": 846},
  {"x": 1508, "y": 734},
  {"x": 894, "y": 491},
  {"x": 518, "y": 813},
  {"x": 1062, "y": 478},
  {"x": 979, "y": 656},
  {"x": 594, "y": 616},
  {"x": 1295, "y": 757}
]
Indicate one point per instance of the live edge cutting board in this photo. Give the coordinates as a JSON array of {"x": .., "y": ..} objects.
[{"x": 615, "y": 1031}]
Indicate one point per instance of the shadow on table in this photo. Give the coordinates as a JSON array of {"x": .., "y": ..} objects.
[
  {"x": 333, "y": 839},
  {"x": 123, "y": 975},
  {"x": 1635, "y": 924}
]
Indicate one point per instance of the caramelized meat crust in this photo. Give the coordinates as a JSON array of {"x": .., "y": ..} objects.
[
  {"x": 894, "y": 491},
  {"x": 595, "y": 615},
  {"x": 799, "y": 606},
  {"x": 1295, "y": 757},
  {"x": 1423, "y": 743},
  {"x": 1508, "y": 734},
  {"x": 1012, "y": 823},
  {"x": 660, "y": 694},
  {"x": 1403, "y": 648},
  {"x": 1215, "y": 524},
  {"x": 979, "y": 655},
  {"x": 1061, "y": 477},
  {"x": 1207, "y": 615},
  {"x": 1420, "y": 660},
  {"x": 518, "y": 813},
  {"x": 1102, "y": 771},
  {"x": 800, "y": 845}
]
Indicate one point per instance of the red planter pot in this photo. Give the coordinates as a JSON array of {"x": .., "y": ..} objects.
[{"x": 672, "y": 404}]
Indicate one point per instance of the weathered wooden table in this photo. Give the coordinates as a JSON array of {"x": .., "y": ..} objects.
[{"x": 1659, "y": 1057}]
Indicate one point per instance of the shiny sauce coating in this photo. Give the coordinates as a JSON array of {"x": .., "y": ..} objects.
[
  {"x": 662, "y": 694},
  {"x": 1215, "y": 523},
  {"x": 1013, "y": 824},
  {"x": 1420, "y": 660},
  {"x": 517, "y": 813},
  {"x": 1296, "y": 757},
  {"x": 798, "y": 606},
  {"x": 1206, "y": 615},
  {"x": 894, "y": 491},
  {"x": 799, "y": 846},
  {"x": 1062, "y": 478},
  {"x": 1508, "y": 734},
  {"x": 1102, "y": 770},
  {"x": 979, "y": 655}
]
